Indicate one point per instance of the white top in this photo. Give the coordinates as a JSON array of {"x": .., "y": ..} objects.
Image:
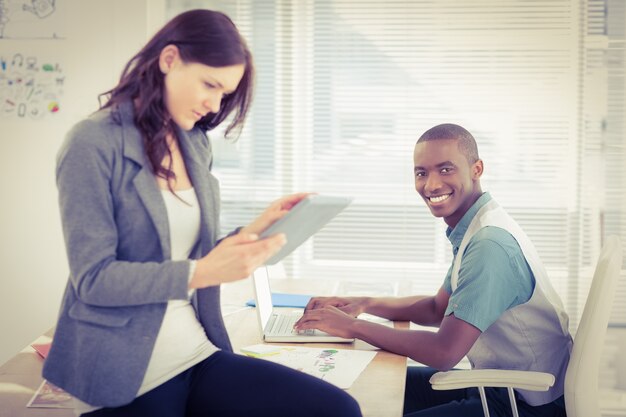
[{"x": 181, "y": 342}]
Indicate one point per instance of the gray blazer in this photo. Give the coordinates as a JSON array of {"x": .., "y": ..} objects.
[{"x": 118, "y": 246}]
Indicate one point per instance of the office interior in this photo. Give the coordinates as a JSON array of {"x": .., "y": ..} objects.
[{"x": 344, "y": 88}]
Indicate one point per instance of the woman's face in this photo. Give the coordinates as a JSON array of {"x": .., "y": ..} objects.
[{"x": 193, "y": 90}]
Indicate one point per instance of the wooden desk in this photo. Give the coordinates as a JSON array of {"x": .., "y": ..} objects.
[
  {"x": 20, "y": 377},
  {"x": 379, "y": 389}
]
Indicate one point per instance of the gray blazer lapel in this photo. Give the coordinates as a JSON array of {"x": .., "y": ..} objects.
[
  {"x": 145, "y": 182},
  {"x": 205, "y": 185},
  {"x": 206, "y": 300}
]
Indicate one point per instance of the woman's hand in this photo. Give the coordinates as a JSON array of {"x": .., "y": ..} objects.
[
  {"x": 275, "y": 211},
  {"x": 235, "y": 258}
]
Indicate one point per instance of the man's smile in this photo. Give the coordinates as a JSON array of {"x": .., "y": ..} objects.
[{"x": 439, "y": 198}]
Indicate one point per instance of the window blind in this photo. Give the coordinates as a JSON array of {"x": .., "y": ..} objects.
[
  {"x": 614, "y": 138},
  {"x": 345, "y": 88}
]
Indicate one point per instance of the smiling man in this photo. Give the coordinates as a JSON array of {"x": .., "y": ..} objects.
[{"x": 496, "y": 305}]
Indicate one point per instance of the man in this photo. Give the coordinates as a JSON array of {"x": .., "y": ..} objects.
[{"x": 496, "y": 304}]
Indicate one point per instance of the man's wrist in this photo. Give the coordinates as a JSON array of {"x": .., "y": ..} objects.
[{"x": 366, "y": 304}]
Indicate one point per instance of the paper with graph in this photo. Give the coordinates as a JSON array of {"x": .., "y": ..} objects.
[{"x": 340, "y": 367}]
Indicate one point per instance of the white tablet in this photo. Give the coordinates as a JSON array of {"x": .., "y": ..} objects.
[{"x": 304, "y": 220}]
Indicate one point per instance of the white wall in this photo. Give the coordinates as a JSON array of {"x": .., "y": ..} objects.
[{"x": 99, "y": 38}]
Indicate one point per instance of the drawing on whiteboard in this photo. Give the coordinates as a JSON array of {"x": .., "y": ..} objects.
[
  {"x": 29, "y": 19},
  {"x": 29, "y": 88}
]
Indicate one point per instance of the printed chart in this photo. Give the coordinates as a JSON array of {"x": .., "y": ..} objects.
[{"x": 340, "y": 367}]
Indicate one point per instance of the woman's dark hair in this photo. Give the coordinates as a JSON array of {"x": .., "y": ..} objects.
[{"x": 201, "y": 36}]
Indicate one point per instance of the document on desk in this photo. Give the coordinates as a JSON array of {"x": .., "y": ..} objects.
[
  {"x": 50, "y": 396},
  {"x": 340, "y": 367},
  {"x": 42, "y": 348}
]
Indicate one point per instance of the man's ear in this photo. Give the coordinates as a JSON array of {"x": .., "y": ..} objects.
[
  {"x": 168, "y": 57},
  {"x": 477, "y": 169}
]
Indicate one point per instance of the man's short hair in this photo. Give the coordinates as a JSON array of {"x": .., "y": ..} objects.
[{"x": 466, "y": 142}]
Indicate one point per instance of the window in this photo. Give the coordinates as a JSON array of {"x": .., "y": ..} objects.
[{"x": 345, "y": 88}]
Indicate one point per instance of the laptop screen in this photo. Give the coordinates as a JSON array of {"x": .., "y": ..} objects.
[{"x": 263, "y": 295}]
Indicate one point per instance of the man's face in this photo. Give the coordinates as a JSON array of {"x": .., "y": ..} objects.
[{"x": 446, "y": 180}]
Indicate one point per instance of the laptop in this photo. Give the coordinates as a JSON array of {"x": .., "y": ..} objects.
[{"x": 277, "y": 326}]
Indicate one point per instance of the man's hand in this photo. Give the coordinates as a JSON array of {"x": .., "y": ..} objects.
[
  {"x": 353, "y": 306},
  {"x": 328, "y": 319}
]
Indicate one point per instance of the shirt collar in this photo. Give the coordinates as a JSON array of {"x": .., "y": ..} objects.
[{"x": 455, "y": 236}]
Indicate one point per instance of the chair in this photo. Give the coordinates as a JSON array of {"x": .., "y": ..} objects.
[{"x": 581, "y": 378}]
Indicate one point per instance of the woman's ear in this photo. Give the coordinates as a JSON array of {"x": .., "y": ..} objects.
[{"x": 168, "y": 58}]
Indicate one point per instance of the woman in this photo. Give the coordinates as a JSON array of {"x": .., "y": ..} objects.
[{"x": 140, "y": 331}]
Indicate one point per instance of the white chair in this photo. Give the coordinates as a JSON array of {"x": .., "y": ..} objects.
[{"x": 581, "y": 379}]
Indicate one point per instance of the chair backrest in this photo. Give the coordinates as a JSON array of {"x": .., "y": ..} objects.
[{"x": 581, "y": 378}]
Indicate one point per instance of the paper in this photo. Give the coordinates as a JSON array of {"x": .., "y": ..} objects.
[
  {"x": 286, "y": 300},
  {"x": 340, "y": 367},
  {"x": 375, "y": 319},
  {"x": 42, "y": 348},
  {"x": 230, "y": 309},
  {"x": 261, "y": 350},
  {"x": 50, "y": 396},
  {"x": 366, "y": 289}
]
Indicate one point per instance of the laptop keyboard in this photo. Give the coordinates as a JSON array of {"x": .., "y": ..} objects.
[{"x": 282, "y": 324}]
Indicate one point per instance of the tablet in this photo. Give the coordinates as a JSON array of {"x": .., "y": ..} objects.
[{"x": 303, "y": 221}]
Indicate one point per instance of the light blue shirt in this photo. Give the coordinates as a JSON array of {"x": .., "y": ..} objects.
[{"x": 494, "y": 275}]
